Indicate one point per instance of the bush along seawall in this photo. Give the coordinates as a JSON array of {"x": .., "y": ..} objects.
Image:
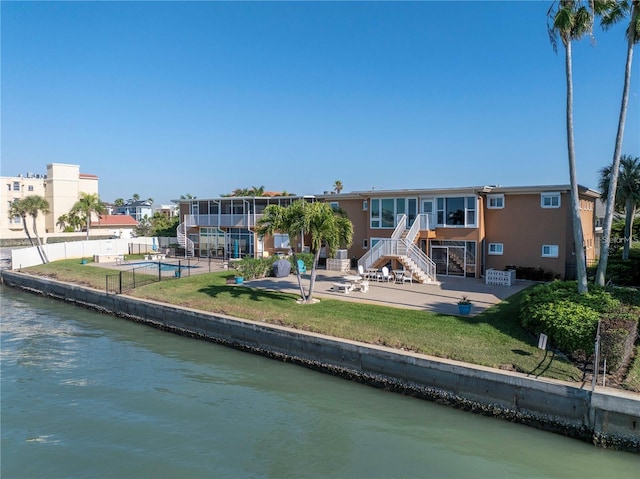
[{"x": 603, "y": 416}]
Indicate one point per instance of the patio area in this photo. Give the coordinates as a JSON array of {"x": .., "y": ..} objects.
[{"x": 441, "y": 297}]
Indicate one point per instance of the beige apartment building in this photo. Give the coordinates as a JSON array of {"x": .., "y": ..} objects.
[
  {"x": 60, "y": 186},
  {"x": 430, "y": 232}
]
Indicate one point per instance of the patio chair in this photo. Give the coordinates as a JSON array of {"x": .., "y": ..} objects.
[
  {"x": 361, "y": 271},
  {"x": 384, "y": 275},
  {"x": 301, "y": 267},
  {"x": 407, "y": 276}
]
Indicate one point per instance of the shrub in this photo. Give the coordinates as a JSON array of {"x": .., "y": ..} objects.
[
  {"x": 532, "y": 274},
  {"x": 306, "y": 257},
  {"x": 569, "y": 319},
  {"x": 618, "y": 331},
  {"x": 253, "y": 268}
]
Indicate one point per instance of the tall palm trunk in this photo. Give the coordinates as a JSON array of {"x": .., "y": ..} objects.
[
  {"x": 615, "y": 170},
  {"x": 581, "y": 267},
  {"x": 43, "y": 255},
  {"x": 632, "y": 38},
  {"x": 26, "y": 230}
]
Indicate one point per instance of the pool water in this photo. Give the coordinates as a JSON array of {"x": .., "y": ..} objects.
[{"x": 163, "y": 266}]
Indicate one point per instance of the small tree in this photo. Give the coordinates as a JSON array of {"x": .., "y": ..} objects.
[
  {"x": 318, "y": 221},
  {"x": 86, "y": 206},
  {"x": 36, "y": 204},
  {"x": 337, "y": 186}
]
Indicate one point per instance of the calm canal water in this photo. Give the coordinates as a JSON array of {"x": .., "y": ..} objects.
[{"x": 89, "y": 395}]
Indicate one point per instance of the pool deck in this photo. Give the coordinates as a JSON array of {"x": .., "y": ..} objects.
[{"x": 441, "y": 297}]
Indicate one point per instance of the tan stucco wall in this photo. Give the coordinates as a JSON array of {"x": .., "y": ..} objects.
[{"x": 523, "y": 226}]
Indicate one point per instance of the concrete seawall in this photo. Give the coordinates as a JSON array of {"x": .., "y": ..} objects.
[{"x": 606, "y": 417}]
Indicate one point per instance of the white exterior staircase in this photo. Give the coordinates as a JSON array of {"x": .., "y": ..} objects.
[
  {"x": 184, "y": 241},
  {"x": 401, "y": 247}
]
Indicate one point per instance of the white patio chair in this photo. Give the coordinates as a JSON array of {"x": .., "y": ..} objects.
[
  {"x": 384, "y": 275},
  {"x": 407, "y": 276}
]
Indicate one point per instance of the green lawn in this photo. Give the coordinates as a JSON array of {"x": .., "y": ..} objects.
[{"x": 493, "y": 338}]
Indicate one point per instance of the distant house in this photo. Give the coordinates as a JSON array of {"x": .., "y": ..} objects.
[
  {"x": 119, "y": 226},
  {"x": 136, "y": 209},
  {"x": 168, "y": 211}
]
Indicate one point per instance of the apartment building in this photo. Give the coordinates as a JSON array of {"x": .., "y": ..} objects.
[
  {"x": 439, "y": 231},
  {"x": 60, "y": 186}
]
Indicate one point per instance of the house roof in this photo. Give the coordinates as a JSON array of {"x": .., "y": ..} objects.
[{"x": 114, "y": 220}]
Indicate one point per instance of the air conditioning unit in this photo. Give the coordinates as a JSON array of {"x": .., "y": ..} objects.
[{"x": 341, "y": 254}]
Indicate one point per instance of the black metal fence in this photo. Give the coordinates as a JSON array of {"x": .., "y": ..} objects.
[{"x": 127, "y": 280}]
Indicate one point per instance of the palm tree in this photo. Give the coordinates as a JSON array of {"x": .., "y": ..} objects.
[
  {"x": 627, "y": 194},
  {"x": 253, "y": 191},
  {"x": 188, "y": 196},
  {"x": 20, "y": 209},
  {"x": 118, "y": 202},
  {"x": 337, "y": 186},
  {"x": 34, "y": 205},
  {"x": 136, "y": 197},
  {"x": 86, "y": 205},
  {"x": 616, "y": 12},
  {"x": 318, "y": 220},
  {"x": 571, "y": 20}
]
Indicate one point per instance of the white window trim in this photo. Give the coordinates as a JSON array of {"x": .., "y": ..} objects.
[
  {"x": 551, "y": 253},
  {"x": 498, "y": 249},
  {"x": 495, "y": 197},
  {"x": 554, "y": 194},
  {"x": 365, "y": 205},
  {"x": 334, "y": 205}
]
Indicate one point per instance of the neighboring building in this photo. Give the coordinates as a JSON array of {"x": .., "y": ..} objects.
[
  {"x": 136, "y": 209},
  {"x": 61, "y": 187},
  {"x": 452, "y": 231},
  {"x": 117, "y": 226},
  {"x": 168, "y": 211}
]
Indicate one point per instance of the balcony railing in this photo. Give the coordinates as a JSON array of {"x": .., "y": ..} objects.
[{"x": 234, "y": 220}]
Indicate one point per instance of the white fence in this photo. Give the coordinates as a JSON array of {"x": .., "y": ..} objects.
[
  {"x": 500, "y": 278},
  {"x": 25, "y": 257}
]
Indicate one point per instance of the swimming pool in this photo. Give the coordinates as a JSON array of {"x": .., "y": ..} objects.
[{"x": 163, "y": 266}]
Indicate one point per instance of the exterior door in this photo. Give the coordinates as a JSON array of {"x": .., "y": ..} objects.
[
  {"x": 427, "y": 208},
  {"x": 449, "y": 260}
]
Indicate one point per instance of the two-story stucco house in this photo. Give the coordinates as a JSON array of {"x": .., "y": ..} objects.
[{"x": 448, "y": 231}]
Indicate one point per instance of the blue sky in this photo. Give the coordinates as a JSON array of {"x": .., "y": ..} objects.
[{"x": 168, "y": 98}]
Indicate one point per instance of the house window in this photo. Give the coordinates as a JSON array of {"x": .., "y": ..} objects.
[
  {"x": 550, "y": 200},
  {"x": 365, "y": 243},
  {"x": 9, "y": 186},
  {"x": 365, "y": 205},
  {"x": 30, "y": 188},
  {"x": 16, "y": 186},
  {"x": 334, "y": 205},
  {"x": 549, "y": 250},
  {"x": 281, "y": 241},
  {"x": 495, "y": 201},
  {"x": 495, "y": 248},
  {"x": 456, "y": 211}
]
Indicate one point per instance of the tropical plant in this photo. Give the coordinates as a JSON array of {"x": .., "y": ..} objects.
[
  {"x": 627, "y": 194},
  {"x": 144, "y": 227},
  {"x": 20, "y": 209},
  {"x": 88, "y": 204},
  {"x": 337, "y": 186},
  {"x": 118, "y": 202},
  {"x": 188, "y": 196},
  {"x": 571, "y": 20},
  {"x": 136, "y": 197},
  {"x": 36, "y": 204},
  {"x": 615, "y": 12},
  {"x": 316, "y": 220}
]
